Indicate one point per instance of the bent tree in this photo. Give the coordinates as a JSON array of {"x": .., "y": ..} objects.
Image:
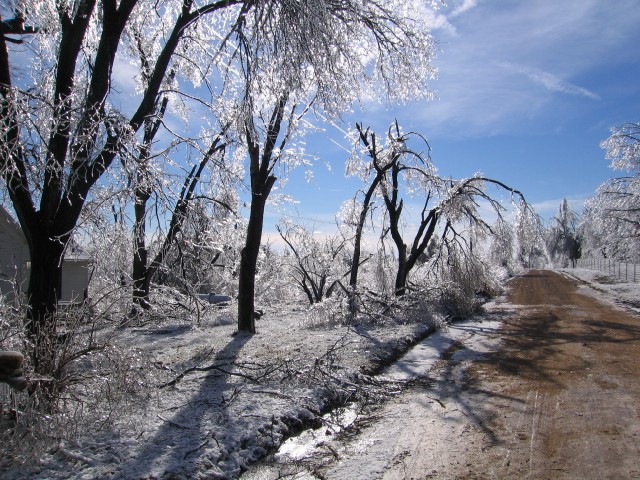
[
  {"x": 446, "y": 205},
  {"x": 143, "y": 269},
  {"x": 379, "y": 166},
  {"x": 611, "y": 222}
]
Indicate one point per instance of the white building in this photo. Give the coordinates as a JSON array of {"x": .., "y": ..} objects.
[{"x": 15, "y": 262}]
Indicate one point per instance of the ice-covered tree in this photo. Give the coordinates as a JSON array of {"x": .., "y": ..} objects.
[
  {"x": 315, "y": 262},
  {"x": 63, "y": 119},
  {"x": 531, "y": 248},
  {"x": 374, "y": 171},
  {"x": 501, "y": 252},
  {"x": 611, "y": 221},
  {"x": 563, "y": 239},
  {"x": 443, "y": 207},
  {"x": 297, "y": 56}
]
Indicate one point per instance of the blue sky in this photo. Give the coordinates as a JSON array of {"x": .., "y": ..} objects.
[{"x": 525, "y": 93}]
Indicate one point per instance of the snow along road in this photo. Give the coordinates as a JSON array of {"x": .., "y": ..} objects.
[{"x": 551, "y": 391}]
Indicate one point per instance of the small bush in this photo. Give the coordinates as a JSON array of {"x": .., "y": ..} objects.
[{"x": 92, "y": 386}]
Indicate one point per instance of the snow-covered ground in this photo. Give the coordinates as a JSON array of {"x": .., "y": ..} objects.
[
  {"x": 461, "y": 342},
  {"x": 608, "y": 287},
  {"x": 182, "y": 400},
  {"x": 201, "y": 402}
]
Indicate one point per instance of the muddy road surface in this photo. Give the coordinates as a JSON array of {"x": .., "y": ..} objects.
[
  {"x": 557, "y": 398},
  {"x": 569, "y": 379},
  {"x": 560, "y": 398}
]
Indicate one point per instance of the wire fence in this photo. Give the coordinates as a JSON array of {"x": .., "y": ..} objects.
[{"x": 629, "y": 272}]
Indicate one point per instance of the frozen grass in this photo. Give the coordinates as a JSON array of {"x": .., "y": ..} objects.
[{"x": 177, "y": 398}]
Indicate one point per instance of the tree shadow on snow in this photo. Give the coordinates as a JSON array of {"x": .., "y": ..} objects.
[{"x": 191, "y": 436}]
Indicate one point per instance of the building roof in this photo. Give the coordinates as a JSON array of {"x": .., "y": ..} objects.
[{"x": 8, "y": 223}]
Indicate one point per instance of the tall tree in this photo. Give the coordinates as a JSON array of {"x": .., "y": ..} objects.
[
  {"x": 564, "y": 242},
  {"x": 60, "y": 130},
  {"x": 262, "y": 162},
  {"x": 379, "y": 167},
  {"x": 147, "y": 175},
  {"x": 311, "y": 53}
]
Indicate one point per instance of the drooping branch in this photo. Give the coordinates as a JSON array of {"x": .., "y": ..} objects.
[{"x": 447, "y": 200}]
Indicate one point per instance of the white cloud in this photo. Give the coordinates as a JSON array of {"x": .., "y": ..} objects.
[
  {"x": 549, "y": 81},
  {"x": 564, "y": 47},
  {"x": 549, "y": 208},
  {"x": 435, "y": 21},
  {"x": 463, "y": 7}
]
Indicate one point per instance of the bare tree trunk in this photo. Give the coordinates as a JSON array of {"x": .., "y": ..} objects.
[
  {"x": 357, "y": 241},
  {"x": 45, "y": 283},
  {"x": 141, "y": 278},
  {"x": 248, "y": 264},
  {"x": 407, "y": 258},
  {"x": 403, "y": 271},
  {"x": 369, "y": 141},
  {"x": 262, "y": 181}
]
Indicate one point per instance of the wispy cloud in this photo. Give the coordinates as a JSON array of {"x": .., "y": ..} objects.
[
  {"x": 513, "y": 75},
  {"x": 549, "y": 208},
  {"x": 549, "y": 81},
  {"x": 463, "y": 7}
]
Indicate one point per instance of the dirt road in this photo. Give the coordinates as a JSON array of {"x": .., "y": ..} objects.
[
  {"x": 552, "y": 392},
  {"x": 568, "y": 372},
  {"x": 566, "y": 386},
  {"x": 559, "y": 399}
]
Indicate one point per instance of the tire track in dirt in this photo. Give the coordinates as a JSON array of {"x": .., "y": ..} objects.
[{"x": 569, "y": 365}]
